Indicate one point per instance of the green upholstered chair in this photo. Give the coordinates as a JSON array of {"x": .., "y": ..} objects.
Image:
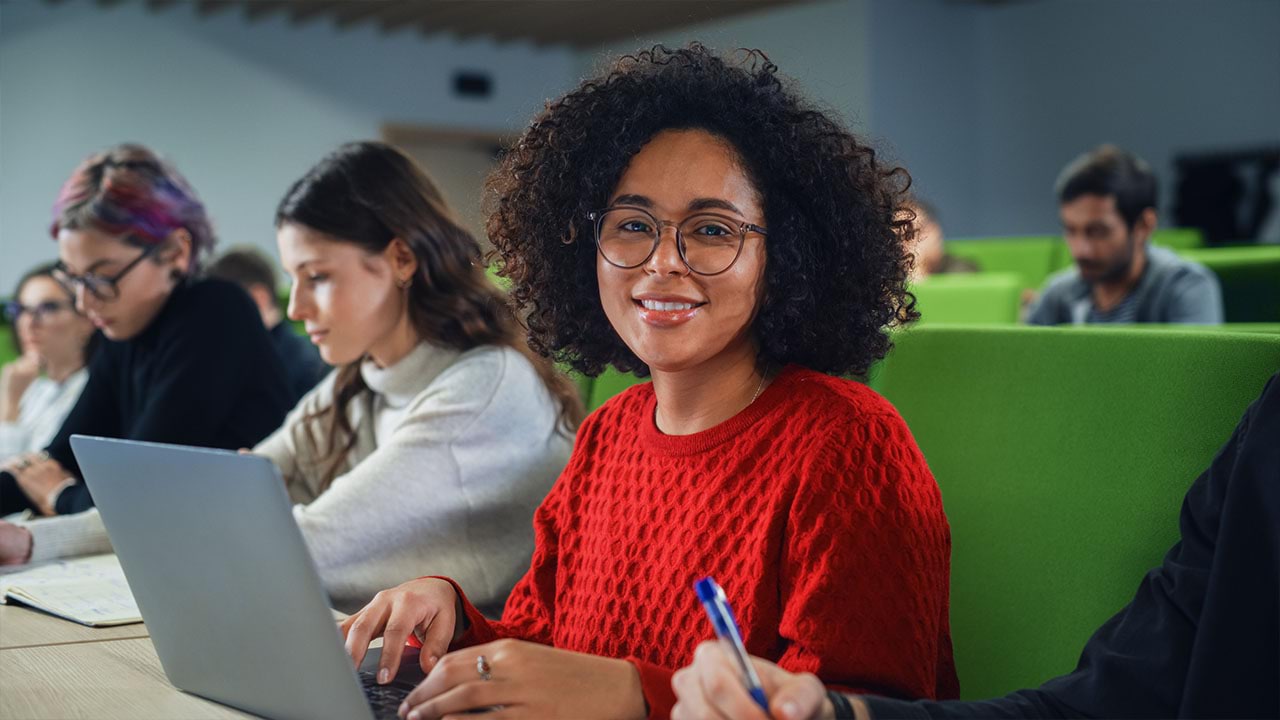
[
  {"x": 1063, "y": 455},
  {"x": 8, "y": 348},
  {"x": 968, "y": 298},
  {"x": 1032, "y": 258},
  {"x": 1178, "y": 238},
  {"x": 1268, "y": 328},
  {"x": 1250, "y": 278},
  {"x": 610, "y": 383}
]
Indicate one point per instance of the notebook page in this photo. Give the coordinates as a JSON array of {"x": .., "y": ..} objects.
[{"x": 90, "y": 591}]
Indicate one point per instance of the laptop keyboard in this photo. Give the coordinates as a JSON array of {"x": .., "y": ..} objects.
[{"x": 384, "y": 699}]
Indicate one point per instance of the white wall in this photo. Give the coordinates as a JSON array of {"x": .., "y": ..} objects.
[
  {"x": 986, "y": 104},
  {"x": 242, "y": 109},
  {"x": 822, "y": 45},
  {"x": 924, "y": 99}
]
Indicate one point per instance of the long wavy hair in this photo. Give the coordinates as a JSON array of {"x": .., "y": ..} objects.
[{"x": 368, "y": 194}]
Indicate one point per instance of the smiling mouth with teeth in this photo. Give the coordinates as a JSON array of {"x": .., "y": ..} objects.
[{"x": 668, "y": 306}]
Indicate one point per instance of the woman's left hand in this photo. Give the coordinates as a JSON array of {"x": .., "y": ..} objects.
[
  {"x": 527, "y": 680},
  {"x": 38, "y": 479}
]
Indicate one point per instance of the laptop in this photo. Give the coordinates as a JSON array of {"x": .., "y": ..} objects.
[{"x": 224, "y": 581}]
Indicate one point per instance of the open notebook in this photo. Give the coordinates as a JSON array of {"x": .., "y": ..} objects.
[{"x": 91, "y": 591}]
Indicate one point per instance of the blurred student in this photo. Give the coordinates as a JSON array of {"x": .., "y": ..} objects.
[
  {"x": 430, "y": 446},
  {"x": 692, "y": 218},
  {"x": 54, "y": 342},
  {"x": 252, "y": 270},
  {"x": 186, "y": 361},
  {"x": 1107, "y": 203},
  {"x": 1201, "y": 637},
  {"x": 929, "y": 250}
]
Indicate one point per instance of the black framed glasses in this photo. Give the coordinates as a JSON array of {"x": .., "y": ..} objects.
[
  {"x": 708, "y": 243},
  {"x": 105, "y": 289},
  {"x": 38, "y": 313}
]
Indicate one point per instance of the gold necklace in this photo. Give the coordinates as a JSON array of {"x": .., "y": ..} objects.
[{"x": 759, "y": 388}]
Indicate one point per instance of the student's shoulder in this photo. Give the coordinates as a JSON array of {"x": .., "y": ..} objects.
[
  {"x": 218, "y": 303},
  {"x": 212, "y": 291},
  {"x": 818, "y": 395},
  {"x": 844, "y": 416},
  {"x": 1063, "y": 286}
]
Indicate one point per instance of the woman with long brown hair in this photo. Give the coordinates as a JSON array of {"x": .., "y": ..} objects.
[{"x": 438, "y": 433}]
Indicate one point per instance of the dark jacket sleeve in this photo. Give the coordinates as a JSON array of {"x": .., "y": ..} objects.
[
  {"x": 97, "y": 412},
  {"x": 1156, "y": 657}
]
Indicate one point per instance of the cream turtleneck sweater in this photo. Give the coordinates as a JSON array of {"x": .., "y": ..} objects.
[{"x": 453, "y": 453}]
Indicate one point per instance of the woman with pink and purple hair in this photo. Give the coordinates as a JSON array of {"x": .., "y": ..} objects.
[{"x": 186, "y": 360}]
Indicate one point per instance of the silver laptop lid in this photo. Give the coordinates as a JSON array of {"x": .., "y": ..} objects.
[{"x": 222, "y": 576}]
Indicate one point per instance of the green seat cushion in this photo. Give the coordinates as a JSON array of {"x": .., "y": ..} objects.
[
  {"x": 1031, "y": 258},
  {"x": 1063, "y": 455},
  {"x": 968, "y": 298},
  {"x": 1250, "y": 278}
]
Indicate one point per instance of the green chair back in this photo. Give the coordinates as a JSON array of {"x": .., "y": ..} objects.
[
  {"x": 1268, "y": 328},
  {"x": 1178, "y": 238},
  {"x": 968, "y": 298},
  {"x": 1031, "y": 258},
  {"x": 1250, "y": 278},
  {"x": 1063, "y": 455},
  {"x": 610, "y": 383},
  {"x": 8, "y": 348}
]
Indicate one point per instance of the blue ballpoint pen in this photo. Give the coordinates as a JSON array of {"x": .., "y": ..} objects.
[{"x": 726, "y": 627}]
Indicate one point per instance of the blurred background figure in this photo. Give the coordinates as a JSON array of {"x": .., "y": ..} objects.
[
  {"x": 252, "y": 270},
  {"x": 1107, "y": 203},
  {"x": 929, "y": 246},
  {"x": 54, "y": 343}
]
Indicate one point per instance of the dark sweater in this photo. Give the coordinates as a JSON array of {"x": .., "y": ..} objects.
[
  {"x": 203, "y": 373},
  {"x": 1202, "y": 636}
]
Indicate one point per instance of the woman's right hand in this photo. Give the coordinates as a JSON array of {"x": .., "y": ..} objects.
[{"x": 428, "y": 608}]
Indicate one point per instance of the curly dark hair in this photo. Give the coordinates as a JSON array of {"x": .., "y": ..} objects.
[{"x": 836, "y": 263}]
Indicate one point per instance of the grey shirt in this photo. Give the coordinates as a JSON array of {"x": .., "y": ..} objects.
[{"x": 1171, "y": 290}]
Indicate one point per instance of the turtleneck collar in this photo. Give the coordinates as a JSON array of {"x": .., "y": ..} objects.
[{"x": 401, "y": 383}]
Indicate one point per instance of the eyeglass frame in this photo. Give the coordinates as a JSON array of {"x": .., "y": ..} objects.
[
  {"x": 597, "y": 217},
  {"x": 70, "y": 281},
  {"x": 14, "y": 310}
]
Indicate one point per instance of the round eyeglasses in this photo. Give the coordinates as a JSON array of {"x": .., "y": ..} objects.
[
  {"x": 38, "y": 313},
  {"x": 105, "y": 289},
  {"x": 708, "y": 243}
]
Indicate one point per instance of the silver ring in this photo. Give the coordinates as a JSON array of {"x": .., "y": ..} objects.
[{"x": 482, "y": 667}]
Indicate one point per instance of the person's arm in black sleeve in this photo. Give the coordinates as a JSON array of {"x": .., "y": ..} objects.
[
  {"x": 1136, "y": 664},
  {"x": 96, "y": 412}
]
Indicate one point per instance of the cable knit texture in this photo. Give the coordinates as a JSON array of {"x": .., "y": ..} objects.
[{"x": 813, "y": 508}]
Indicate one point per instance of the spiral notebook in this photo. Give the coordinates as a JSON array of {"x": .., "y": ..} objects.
[{"x": 91, "y": 591}]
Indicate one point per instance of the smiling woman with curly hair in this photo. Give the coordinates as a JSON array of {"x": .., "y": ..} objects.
[{"x": 691, "y": 218}]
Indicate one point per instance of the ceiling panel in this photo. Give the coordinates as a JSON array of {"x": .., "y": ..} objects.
[{"x": 579, "y": 23}]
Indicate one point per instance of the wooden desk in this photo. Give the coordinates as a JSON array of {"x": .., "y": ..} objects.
[
  {"x": 53, "y": 668},
  {"x": 115, "y": 679},
  {"x": 22, "y": 627}
]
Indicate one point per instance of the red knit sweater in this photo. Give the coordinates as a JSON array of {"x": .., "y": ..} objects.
[{"x": 813, "y": 508}]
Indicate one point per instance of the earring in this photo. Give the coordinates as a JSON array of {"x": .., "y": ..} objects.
[{"x": 404, "y": 283}]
